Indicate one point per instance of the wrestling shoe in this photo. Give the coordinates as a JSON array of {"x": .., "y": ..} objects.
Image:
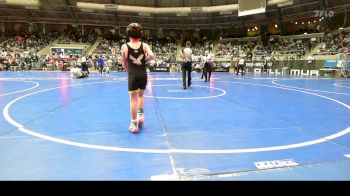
[
  {"x": 133, "y": 128},
  {"x": 140, "y": 119}
]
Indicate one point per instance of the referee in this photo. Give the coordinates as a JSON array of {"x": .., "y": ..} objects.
[{"x": 187, "y": 56}]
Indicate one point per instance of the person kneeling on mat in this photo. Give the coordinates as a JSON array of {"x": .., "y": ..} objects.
[{"x": 78, "y": 73}]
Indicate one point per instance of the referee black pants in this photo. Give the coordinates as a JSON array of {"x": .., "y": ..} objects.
[
  {"x": 186, "y": 67},
  {"x": 207, "y": 71},
  {"x": 240, "y": 67}
]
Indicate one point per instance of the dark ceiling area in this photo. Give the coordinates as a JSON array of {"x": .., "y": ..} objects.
[{"x": 67, "y": 12}]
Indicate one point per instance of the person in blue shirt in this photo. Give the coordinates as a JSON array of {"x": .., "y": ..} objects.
[{"x": 100, "y": 63}]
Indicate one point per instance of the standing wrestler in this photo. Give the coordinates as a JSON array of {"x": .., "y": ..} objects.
[{"x": 135, "y": 54}]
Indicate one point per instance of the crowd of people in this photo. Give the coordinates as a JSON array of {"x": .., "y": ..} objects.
[
  {"x": 20, "y": 50},
  {"x": 232, "y": 48},
  {"x": 292, "y": 48},
  {"x": 164, "y": 50},
  {"x": 71, "y": 37},
  {"x": 335, "y": 43}
]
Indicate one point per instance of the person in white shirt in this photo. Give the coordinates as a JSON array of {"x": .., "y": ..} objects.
[
  {"x": 187, "y": 56},
  {"x": 84, "y": 65},
  {"x": 207, "y": 65},
  {"x": 241, "y": 65},
  {"x": 311, "y": 58},
  {"x": 265, "y": 67},
  {"x": 82, "y": 72}
]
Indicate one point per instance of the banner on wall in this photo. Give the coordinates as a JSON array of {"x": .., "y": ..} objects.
[
  {"x": 333, "y": 63},
  {"x": 220, "y": 69},
  {"x": 159, "y": 69},
  {"x": 75, "y": 51}
]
